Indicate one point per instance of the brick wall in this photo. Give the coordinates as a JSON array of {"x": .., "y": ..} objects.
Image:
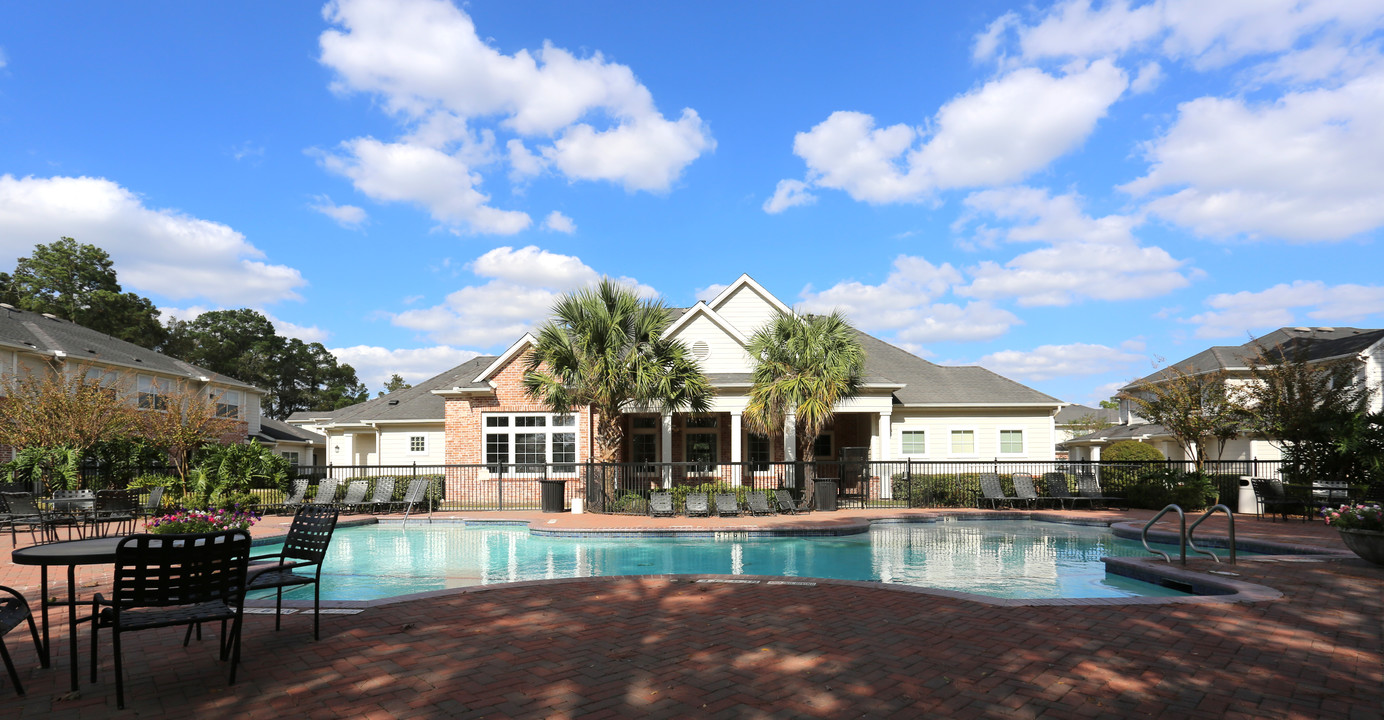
[{"x": 463, "y": 422}]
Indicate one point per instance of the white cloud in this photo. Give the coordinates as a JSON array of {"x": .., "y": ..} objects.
[
  {"x": 709, "y": 292},
  {"x": 374, "y": 365},
  {"x": 1001, "y": 132},
  {"x": 438, "y": 181},
  {"x": 1086, "y": 257},
  {"x": 1307, "y": 167},
  {"x": 347, "y": 216},
  {"x": 1051, "y": 361},
  {"x": 1149, "y": 77},
  {"x": 906, "y": 305},
  {"x": 160, "y": 251},
  {"x": 1251, "y": 313},
  {"x": 520, "y": 294},
  {"x": 424, "y": 58},
  {"x": 789, "y": 193},
  {"x": 557, "y": 222}
]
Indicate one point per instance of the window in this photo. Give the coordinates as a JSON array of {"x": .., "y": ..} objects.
[
  {"x": 154, "y": 392},
  {"x": 963, "y": 442},
  {"x": 644, "y": 443},
  {"x": 821, "y": 447},
  {"x": 418, "y": 443},
  {"x": 644, "y": 423},
  {"x": 291, "y": 456},
  {"x": 106, "y": 380},
  {"x": 227, "y": 403},
  {"x": 701, "y": 449},
  {"x": 914, "y": 442},
  {"x": 528, "y": 441},
  {"x": 702, "y": 422},
  {"x": 758, "y": 452},
  {"x": 1011, "y": 441}
]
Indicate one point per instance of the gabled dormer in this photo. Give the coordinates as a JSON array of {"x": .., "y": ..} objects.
[{"x": 746, "y": 305}]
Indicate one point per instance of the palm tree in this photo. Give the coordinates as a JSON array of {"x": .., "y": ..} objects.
[
  {"x": 604, "y": 349},
  {"x": 805, "y": 365}
]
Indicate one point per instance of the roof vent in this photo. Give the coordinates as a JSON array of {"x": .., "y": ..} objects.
[
  {"x": 393, "y": 402},
  {"x": 1303, "y": 329},
  {"x": 51, "y": 316},
  {"x": 1327, "y": 329},
  {"x": 7, "y": 306},
  {"x": 701, "y": 350}
]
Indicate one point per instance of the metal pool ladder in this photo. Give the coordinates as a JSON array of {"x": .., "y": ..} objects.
[{"x": 1184, "y": 534}]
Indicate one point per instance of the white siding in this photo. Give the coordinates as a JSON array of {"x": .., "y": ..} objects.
[
  {"x": 727, "y": 355},
  {"x": 938, "y": 425},
  {"x": 252, "y": 411},
  {"x": 746, "y": 310},
  {"x": 395, "y": 445}
]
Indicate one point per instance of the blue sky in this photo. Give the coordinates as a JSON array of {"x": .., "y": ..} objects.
[{"x": 1060, "y": 192}]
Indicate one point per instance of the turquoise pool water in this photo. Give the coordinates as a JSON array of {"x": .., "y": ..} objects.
[{"x": 1007, "y": 558}]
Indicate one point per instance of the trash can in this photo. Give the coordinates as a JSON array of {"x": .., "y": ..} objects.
[
  {"x": 1246, "y": 502},
  {"x": 551, "y": 495},
  {"x": 825, "y": 490}
]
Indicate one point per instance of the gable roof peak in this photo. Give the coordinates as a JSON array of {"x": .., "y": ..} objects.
[{"x": 743, "y": 281}]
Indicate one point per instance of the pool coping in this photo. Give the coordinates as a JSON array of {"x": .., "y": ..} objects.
[{"x": 1207, "y": 588}]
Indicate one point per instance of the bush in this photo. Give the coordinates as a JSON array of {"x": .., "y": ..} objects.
[
  {"x": 1156, "y": 488},
  {"x": 631, "y": 503},
  {"x": 937, "y": 490},
  {"x": 1131, "y": 451}
]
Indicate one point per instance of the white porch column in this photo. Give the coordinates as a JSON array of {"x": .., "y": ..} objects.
[
  {"x": 790, "y": 446},
  {"x": 885, "y": 438},
  {"x": 1095, "y": 453},
  {"x": 666, "y": 442},
  {"x": 735, "y": 449}
]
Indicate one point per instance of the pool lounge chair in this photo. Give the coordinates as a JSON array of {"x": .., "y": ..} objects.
[
  {"x": 415, "y": 495},
  {"x": 1057, "y": 490},
  {"x": 295, "y": 497},
  {"x": 383, "y": 499},
  {"x": 661, "y": 504},
  {"x": 697, "y": 505},
  {"x": 326, "y": 492},
  {"x": 727, "y": 505},
  {"x": 992, "y": 491},
  {"x": 355, "y": 496},
  {"x": 1023, "y": 487},
  {"x": 1088, "y": 487},
  {"x": 758, "y": 503},
  {"x": 786, "y": 504}
]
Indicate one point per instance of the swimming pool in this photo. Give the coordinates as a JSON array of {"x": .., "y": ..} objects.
[{"x": 999, "y": 558}]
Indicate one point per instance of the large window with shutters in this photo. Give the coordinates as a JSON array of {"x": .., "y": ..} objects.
[{"x": 524, "y": 442}]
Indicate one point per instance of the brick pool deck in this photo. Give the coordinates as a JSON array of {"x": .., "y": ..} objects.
[{"x": 667, "y": 647}]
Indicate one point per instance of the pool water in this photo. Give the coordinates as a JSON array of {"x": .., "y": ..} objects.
[{"x": 1003, "y": 558}]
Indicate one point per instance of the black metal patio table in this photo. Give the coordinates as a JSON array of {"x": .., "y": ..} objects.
[{"x": 94, "y": 551}]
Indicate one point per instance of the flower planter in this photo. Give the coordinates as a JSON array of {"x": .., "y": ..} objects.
[{"x": 1368, "y": 544}]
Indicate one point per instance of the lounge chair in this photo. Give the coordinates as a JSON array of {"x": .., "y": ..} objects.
[
  {"x": 758, "y": 503},
  {"x": 326, "y": 492},
  {"x": 1088, "y": 487},
  {"x": 355, "y": 496},
  {"x": 416, "y": 494},
  {"x": 661, "y": 504},
  {"x": 727, "y": 505},
  {"x": 785, "y": 502},
  {"x": 305, "y": 546},
  {"x": 295, "y": 498},
  {"x": 992, "y": 491},
  {"x": 1275, "y": 500},
  {"x": 697, "y": 504},
  {"x": 1057, "y": 490},
  {"x": 383, "y": 498},
  {"x": 152, "y": 588},
  {"x": 14, "y": 610},
  {"x": 1023, "y": 488}
]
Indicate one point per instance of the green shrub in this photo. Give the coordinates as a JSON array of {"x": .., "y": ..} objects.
[
  {"x": 1131, "y": 451},
  {"x": 1157, "y": 488},
  {"x": 631, "y": 503}
]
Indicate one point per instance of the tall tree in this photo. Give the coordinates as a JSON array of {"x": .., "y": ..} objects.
[
  {"x": 394, "y": 384},
  {"x": 1199, "y": 409},
  {"x": 244, "y": 345},
  {"x": 604, "y": 348},
  {"x": 68, "y": 409},
  {"x": 1311, "y": 410},
  {"x": 78, "y": 282},
  {"x": 1089, "y": 423},
  {"x": 804, "y": 365}
]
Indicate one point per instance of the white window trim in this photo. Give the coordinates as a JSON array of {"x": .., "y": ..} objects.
[
  {"x": 548, "y": 429},
  {"x": 975, "y": 442},
  {"x": 999, "y": 441},
  {"x": 906, "y": 453},
  {"x": 745, "y": 445},
  {"x": 427, "y": 444},
  {"x": 219, "y": 398}
]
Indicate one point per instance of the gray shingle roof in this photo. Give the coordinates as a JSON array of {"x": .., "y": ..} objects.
[
  {"x": 415, "y": 403},
  {"x": 1072, "y": 413},
  {"x": 280, "y": 430},
  {"x": 1120, "y": 432},
  {"x": 1313, "y": 343},
  {"x": 25, "y": 330},
  {"x": 927, "y": 383}
]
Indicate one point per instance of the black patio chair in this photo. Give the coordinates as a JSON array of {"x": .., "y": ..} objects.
[
  {"x": 661, "y": 504},
  {"x": 114, "y": 507},
  {"x": 305, "y": 546},
  {"x": 727, "y": 505},
  {"x": 71, "y": 509},
  {"x": 23, "y": 512},
  {"x": 1088, "y": 487},
  {"x": 696, "y": 504},
  {"x": 295, "y": 497},
  {"x": 1024, "y": 489},
  {"x": 152, "y": 505},
  {"x": 383, "y": 498},
  {"x": 758, "y": 503},
  {"x": 1058, "y": 490},
  {"x": 14, "y": 609},
  {"x": 786, "y": 504},
  {"x": 991, "y": 490},
  {"x": 326, "y": 492},
  {"x": 171, "y": 580},
  {"x": 355, "y": 496},
  {"x": 1274, "y": 498}
]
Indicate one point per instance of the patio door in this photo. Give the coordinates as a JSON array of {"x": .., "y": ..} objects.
[{"x": 701, "y": 450}]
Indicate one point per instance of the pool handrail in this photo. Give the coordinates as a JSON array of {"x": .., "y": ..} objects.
[
  {"x": 1211, "y": 511},
  {"x": 1181, "y": 534}
]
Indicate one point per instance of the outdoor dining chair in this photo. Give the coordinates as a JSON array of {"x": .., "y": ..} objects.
[
  {"x": 304, "y": 547},
  {"x": 153, "y": 504},
  {"x": 23, "y": 512},
  {"x": 113, "y": 507},
  {"x": 14, "y": 609},
  {"x": 172, "y": 580}
]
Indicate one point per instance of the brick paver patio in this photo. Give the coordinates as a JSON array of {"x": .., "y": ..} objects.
[{"x": 674, "y": 647}]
